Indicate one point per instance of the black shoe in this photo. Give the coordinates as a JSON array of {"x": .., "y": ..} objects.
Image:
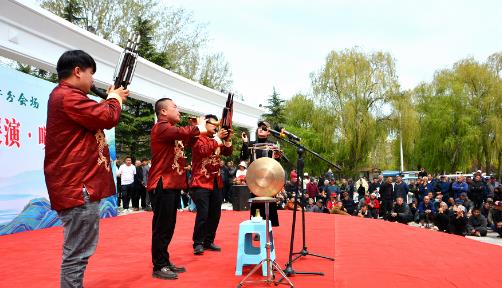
[
  {"x": 177, "y": 269},
  {"x": 212, "y": 247},
  {"x": 165, "y": 273},
  {"x": 198, "y": 250}
]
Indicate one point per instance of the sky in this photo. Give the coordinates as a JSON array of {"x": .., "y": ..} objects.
[{"x": 278, "y": 43}]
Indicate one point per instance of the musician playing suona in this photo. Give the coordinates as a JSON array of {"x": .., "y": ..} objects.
[
  {"x": 262, "y": 138},
  {"x": 207, "y": 184},
  {"x": 166, "y": 178},
  {"x": 77, "y": 161}
]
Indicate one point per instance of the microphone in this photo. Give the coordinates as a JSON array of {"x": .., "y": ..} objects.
[
  {"x": 282, "y": 133},
  {"x": 290, "y": 135}
]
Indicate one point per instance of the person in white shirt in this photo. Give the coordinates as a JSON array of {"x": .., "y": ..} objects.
[
  {"x": 126, "y": 173},
  {"x": 240, "y": 175}
]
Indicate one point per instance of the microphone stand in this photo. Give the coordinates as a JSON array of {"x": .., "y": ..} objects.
[{"x": 289, "y": 271}]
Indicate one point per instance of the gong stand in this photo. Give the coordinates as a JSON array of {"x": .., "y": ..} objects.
[
  {"x": 289, "y": 271},
  {"x": 271, "y": 264}
]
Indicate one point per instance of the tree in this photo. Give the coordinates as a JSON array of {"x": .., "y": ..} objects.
[
  {"x": 137, "y": 116},
  {"x": 276, "y": 109},
  {"x": 353, "y": 86}
]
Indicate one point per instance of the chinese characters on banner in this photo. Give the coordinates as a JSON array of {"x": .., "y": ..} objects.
[
  {"x": 10, "y": 131},
  {"x": 21, "y": 99}
]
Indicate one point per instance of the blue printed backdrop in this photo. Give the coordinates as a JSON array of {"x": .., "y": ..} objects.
[{"x": 24, "y": 203}]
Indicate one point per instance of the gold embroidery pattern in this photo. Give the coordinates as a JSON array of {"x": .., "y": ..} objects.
[
  {"x": 101, "y": 140},
  {"x": 178, "y": 153},
  {"x": 213, "y": 160}
]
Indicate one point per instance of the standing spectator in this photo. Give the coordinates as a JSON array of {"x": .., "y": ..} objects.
[
  {"x": 401, "y": 188},
  {"x": 229, "y": 179},
  {"x": 423, "y": 189},
  {"x": 476, "y": 224},
  {"x": 145, "y": 168},
  {"x": 240, "y": 175},
  {"x": 139, "y": 187},
  {"x": 422, "y": 172},
  {"x": 373, "y": 186},
  {"x": 492, "y": 183},
  {"x": 497, "y": 194},
  {"x": 126, "y": 173},
  {"x": 413, "y": 192},
  {"x": 312, "y": 189},
  {"x": 387, "y": 195},
  {"x": 459, "y": 187},
  {"x": 400, "y": 212},
  {"x": 478, "y": 191},
  {"x": 332, "y": 188},
  {"x": 442, "y": 217},
  {"x": 329, "y": 175},
  {"x": 458, "y": 221},
  {"x": 486, "y": 211},
  {"x": 77, "y": 167},
  {"x": 348, "y": 203},
  {"x": 444, "y": 187},
  {"x": 361, "y": 188}
]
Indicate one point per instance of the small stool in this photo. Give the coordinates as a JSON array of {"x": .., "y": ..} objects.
[{"x": 249, "y": 254}]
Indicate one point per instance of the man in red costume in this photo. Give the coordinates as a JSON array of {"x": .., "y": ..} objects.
[
  {"x": 166, "y": 179},
  {"x": 207, "y": 184},
  {"x": 77, "y": 161}
]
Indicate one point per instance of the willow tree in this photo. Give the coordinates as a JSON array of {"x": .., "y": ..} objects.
[
  {"x": 314, "y": 124},
  {"x": 354, "y": 85},
  {"x": 404, "y": 126},
  {"x": 483, "y": 89},
  {"x": 447, "y": 138}
]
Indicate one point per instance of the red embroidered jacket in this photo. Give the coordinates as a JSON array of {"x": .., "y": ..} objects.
[
  {"x": 76, "y": 153},
  {"x": 168, "y": 159},
  {"x": 206, "y": 162}
]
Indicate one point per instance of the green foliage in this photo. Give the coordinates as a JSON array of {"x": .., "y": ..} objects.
[
  {"x": 353, "y": 86},
  {"x": 276, "y": 109}
]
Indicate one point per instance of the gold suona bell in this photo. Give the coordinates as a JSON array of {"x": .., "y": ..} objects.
[
  {"x": 193, "y": 120},
  {"x": 257, "y": 214}
]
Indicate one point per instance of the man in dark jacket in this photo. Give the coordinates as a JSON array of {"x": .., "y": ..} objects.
[
  {"x": 476, "y": 225},
  {"x": 387, "y": 195},
  {"x": 401, "y": 189},
  {"x": 458, "y": 221},
  {"x": 478, "y": 191},
  {"x": 400, "y": 212}
]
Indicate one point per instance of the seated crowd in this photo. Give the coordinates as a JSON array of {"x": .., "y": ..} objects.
[{"x": 462, "y": 206}]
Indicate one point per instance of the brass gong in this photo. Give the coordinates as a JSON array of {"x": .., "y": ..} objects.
[{"x": 265, "y": 177}]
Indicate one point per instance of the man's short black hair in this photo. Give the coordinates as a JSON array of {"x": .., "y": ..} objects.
[
  {"x": 128, "y": 157},
  {"x": 144, "y": 159},
  {"x": 211, "y": 116},
  {"x": 71, "y": 59},
  {"x": 158, "y": 105}
]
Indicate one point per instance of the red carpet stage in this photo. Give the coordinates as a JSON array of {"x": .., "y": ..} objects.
[{"x": 369, "y": 253}]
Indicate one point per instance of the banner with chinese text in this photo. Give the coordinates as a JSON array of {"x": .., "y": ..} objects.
[{"x": 24, "y": 203}]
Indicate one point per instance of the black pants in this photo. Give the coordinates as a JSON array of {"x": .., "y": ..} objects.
[
  {"x": 385, "y": 208},
  {"x": 163, "y": 223},
  {"x": 141, "y": 191},
  {"x": 129, "y": 194},
  {"x": 208, "y": 205}
]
